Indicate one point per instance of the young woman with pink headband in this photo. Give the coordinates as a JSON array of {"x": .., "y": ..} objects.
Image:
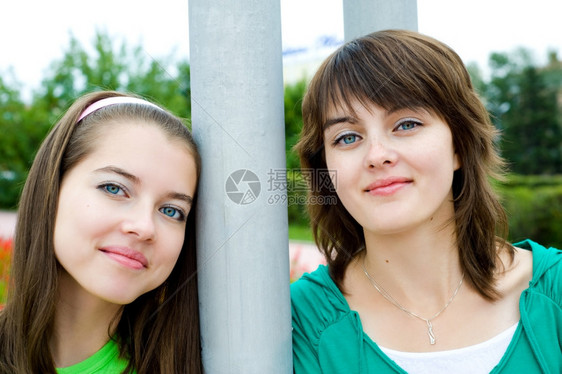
[{"x": 104, "y": 267}]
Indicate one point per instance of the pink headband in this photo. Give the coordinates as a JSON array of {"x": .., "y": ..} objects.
[{"x": 113, "y": 101}]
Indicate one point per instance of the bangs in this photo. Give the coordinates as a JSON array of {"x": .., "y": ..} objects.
[{"x": 368, "y": 72}]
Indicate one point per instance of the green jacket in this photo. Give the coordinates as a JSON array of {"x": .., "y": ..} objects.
[{"x": 328, "y": 337}]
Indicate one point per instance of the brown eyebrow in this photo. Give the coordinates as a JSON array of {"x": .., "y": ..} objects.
[
  {"x": 181, "y": 196},
  {"x": 116, "y": 170},
  {"x": 415, "y": 109},
  {"x": 335, "y": 121},
  {"x": 347, "y": 119},
  {"x": 133, "y": 178}
]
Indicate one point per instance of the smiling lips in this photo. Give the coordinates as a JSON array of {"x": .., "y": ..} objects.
[
  {"x": 387, "y": 186},
  {"x": 126, "y": 256}
]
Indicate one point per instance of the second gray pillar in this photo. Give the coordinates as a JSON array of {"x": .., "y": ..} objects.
[{"x": 362, "y": 17}]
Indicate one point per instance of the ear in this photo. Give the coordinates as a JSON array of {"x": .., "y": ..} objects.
[{"x": 457, "y": 161}]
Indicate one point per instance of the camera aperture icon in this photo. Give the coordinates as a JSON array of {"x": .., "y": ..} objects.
[{"x": 242, "y": 187}]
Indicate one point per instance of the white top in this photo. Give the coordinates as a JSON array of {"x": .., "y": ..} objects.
[{"x": 474, "y": 359}]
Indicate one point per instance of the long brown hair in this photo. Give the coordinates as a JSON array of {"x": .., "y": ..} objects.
[
  {"x": 401, "y": 69},
  {"x": 159, "y": 331}
]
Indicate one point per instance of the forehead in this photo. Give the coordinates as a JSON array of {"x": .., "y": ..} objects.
[
  {"x": 140, "y": 147},
  {"x": 136, "y": 134},
  {"x": 132, "y": 131},
  {"x": 144, "y": 150}
]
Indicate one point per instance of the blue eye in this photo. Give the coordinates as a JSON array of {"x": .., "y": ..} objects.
[
  {"x": 346, "y": 139},
  {"x": 112, "y": 189},
  {"x": 173, "y": 213},
  {"x": 408, "y": 124}
]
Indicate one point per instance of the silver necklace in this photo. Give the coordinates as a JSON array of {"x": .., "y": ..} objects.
[{"x": 387, "y": 296}]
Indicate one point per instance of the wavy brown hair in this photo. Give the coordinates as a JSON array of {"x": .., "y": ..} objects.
[
  {"x": 397, "y": 69},
  {"x": 159, "y": 331}
]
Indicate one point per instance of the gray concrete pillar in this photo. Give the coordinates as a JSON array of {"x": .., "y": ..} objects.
[
  {"x": 361, "y": 17},
  {"x": 237, "y": 120}
]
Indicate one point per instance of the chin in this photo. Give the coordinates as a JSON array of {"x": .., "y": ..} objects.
[
  {"x": 387, "y": 228},
  {"x": 119, "y": 298}
]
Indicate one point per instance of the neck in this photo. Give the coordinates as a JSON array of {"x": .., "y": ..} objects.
[
  {"x": 83, "y": 323},
  {"x": 420, "y": 266}
]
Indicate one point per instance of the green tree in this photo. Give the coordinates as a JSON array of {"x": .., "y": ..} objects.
[
  {"x": 525, "y": 109},
  {"x": 21, "y": 132},
  {"x": 293, "y": 125},
  {"x": 159, "y": 84},
  {"x": 476, "y": 77},
  {"x": 110, "y": 65},
  {"x": 532, "y": 140},
  {"x": 293, "y": 119},
  {"x": 114, "y": 66}
]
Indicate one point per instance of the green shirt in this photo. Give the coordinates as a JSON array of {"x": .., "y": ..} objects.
[
  {"x": 106, "y": 361},
  {"x": 328, "y": 336}
]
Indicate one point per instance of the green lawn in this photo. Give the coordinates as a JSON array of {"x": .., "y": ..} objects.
[{"x": 300, "y": 233}]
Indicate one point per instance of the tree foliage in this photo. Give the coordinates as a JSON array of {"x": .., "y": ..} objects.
[
  {"x": 524, "y": 103},
  {"x": 113, "y": 66},
  {"x": 108, "y": 65},
  {"x": 293, "y": 119},
  {"x": 523, "y": 98},
  {"x": 293, "y": 125},
  {"x": 22, "y": 129}
]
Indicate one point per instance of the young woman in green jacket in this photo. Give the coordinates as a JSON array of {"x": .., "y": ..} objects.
[{"x": 420, "y": 277}]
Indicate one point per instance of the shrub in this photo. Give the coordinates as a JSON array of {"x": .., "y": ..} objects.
[
  {"x": 297, "y": 197},
  {"x": 534, "y": 208}
]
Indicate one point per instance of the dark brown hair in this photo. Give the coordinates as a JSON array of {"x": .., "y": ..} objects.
[
  {"x": 159, "y": 331},
  {"x": 397, "y": 69}
]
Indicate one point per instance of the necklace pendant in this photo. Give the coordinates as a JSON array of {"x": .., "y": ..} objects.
[
  {"x": 430, "y": 333},
  {"x": 388, "y": 297}
]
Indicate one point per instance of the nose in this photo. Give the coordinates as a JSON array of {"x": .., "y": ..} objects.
[
  {"x": 140, "y": 222},
  {"x": 379, "y": 153}
]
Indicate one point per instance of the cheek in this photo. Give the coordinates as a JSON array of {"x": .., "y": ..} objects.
[
  {"x": 332, "y": 175},
  {"x": 340, "y": 171},
  {"x": 79, "y": 217},
  {"x": 165, "y": 257},
  {"x": 66, "y": 222},
  {"x": 171, "y": 249},
  {"x": 333, "y": 164}
]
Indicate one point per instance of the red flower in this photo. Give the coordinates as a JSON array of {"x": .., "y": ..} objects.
[
  {"x": 6, "y": 246},
  {"x": 5, "y": 253}
]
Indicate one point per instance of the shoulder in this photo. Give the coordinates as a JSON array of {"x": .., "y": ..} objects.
[
  {"x": 547, "y": 270},
  {"x": 327, "y": 335},
  {"x": 547, "y": 262},
  {"x": 541, "y": 305},
  {"x": 315, "y": 282},
  {"x": 316, "y": 289},
  {"x": 317, "y": 302}
]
